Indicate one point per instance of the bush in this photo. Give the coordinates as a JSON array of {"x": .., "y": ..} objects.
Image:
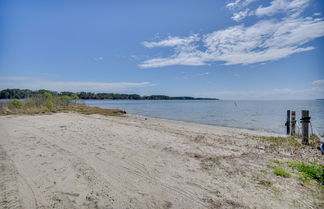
[
  {"x": 48, "y": 95},
  {"x": 74, "y": 96},
  {"x": 34, "y": 101},
  {"x": 15, "y": 104},
  {"x": 64, "y": 100},
  {"x": 49, "y": 104}
]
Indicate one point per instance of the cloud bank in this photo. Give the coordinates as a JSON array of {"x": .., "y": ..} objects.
[
  {"x": 270, "y": 38},
  {"x": 318, "y": 82},
  {"x": 284, "y": 93},
  {"x": 75, "y": 86}
]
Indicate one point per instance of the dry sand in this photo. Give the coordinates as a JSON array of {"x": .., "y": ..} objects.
[{"x": 69, "y": 160}]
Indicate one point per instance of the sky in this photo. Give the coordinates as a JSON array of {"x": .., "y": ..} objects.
[{"x": 227, "y": 49}]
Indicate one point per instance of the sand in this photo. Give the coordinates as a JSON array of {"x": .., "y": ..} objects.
[{"x": 69, "y": 160}]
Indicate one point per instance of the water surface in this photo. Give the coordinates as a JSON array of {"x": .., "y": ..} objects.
[{"x": 267, "y": 116}]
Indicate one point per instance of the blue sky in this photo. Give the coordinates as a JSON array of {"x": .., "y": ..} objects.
[{"x": 235, "y": 49}]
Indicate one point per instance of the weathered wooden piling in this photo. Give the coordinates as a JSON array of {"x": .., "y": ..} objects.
[
  {"x": 305, "y": 120},
  {"x": 293, "y": 123},
  {"x": 287, "y": 124}
]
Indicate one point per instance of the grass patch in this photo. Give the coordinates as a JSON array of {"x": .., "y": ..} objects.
[
  {"x": 96, "y": 110},
  {"x": 304, "y": 177},
  {"x": 271, "y": 166},
  {"x": 265, "y": 183},
  {"x": 282, "y": 141},
  {"x": 309, "y": 171},
  {"x": 262, "y": 181},
  {"x": 276, "y": 161},
  {"x": 281, "y": 172},
  {"x": 289, "y": 142},
  {"x": 47, "y": 103},
  {"x": 314, "y": 140},
  {"x": 15, "y": 104}
]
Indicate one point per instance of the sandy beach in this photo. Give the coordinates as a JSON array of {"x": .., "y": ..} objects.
[{"x": 70, "y": 160}]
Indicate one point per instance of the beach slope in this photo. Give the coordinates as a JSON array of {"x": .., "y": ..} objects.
[{"x": 70, "y": 160}]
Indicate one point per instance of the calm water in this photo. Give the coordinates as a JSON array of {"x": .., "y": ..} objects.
[{"x": 267, "y": 116}]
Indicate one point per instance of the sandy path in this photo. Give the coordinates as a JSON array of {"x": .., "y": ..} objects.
[{"x": 70, "y": 160}]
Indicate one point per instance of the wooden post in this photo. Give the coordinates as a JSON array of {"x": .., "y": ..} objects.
[
  {"x": 293, "y": 123},
  {"x": 305, "y": 125},
  {"x": 288, "y": 122}
]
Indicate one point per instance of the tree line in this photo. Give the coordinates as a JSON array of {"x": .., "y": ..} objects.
[{"x": 26, "y": 93}]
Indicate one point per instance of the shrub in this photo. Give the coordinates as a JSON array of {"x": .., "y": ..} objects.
[
  {"x": 15, "y": 104},
  {"x": 35, "y": 101},
  {"x": 49, "y": 104},
  {"x": 64, "y": 100},
  {"x": 74, "y": 96},
  {"x": 48, "y": 95},
  {"x": 47, "y": 100}
]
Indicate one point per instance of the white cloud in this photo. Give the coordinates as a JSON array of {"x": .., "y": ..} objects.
[
  {"x": 193, "y": 58},
  {"x": 240, "y": 15},
  {"x": 291, "y": 6},
  {"x": 76, "y": 86},
  {"x": 318, "y": 82},
  {"x": 98, "y": 58},
  {"x": 233, "y": 4},
  {"x": 284, "y": 93},
  {"x": 13, "y": 78},
  {"x": 239, "y": 4},
  {"x": 171, "y": 42},
  {"x": 264, "y": 41}
]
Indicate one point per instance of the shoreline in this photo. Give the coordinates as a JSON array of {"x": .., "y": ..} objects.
[
  {"x": 72, "y": 160},
  {"x": 247, "y": 130}
]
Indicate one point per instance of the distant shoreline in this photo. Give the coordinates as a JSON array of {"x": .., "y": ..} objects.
[{"x": 25, "y": 93}]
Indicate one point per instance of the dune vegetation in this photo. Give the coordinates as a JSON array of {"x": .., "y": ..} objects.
[{"x": 49, "y": 103}]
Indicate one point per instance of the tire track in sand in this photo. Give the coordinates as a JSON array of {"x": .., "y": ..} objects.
[
  {"x": 130, "y": 170},
  {"x": 97, "y": 194},
  {"x": 9, "y": 194}
]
